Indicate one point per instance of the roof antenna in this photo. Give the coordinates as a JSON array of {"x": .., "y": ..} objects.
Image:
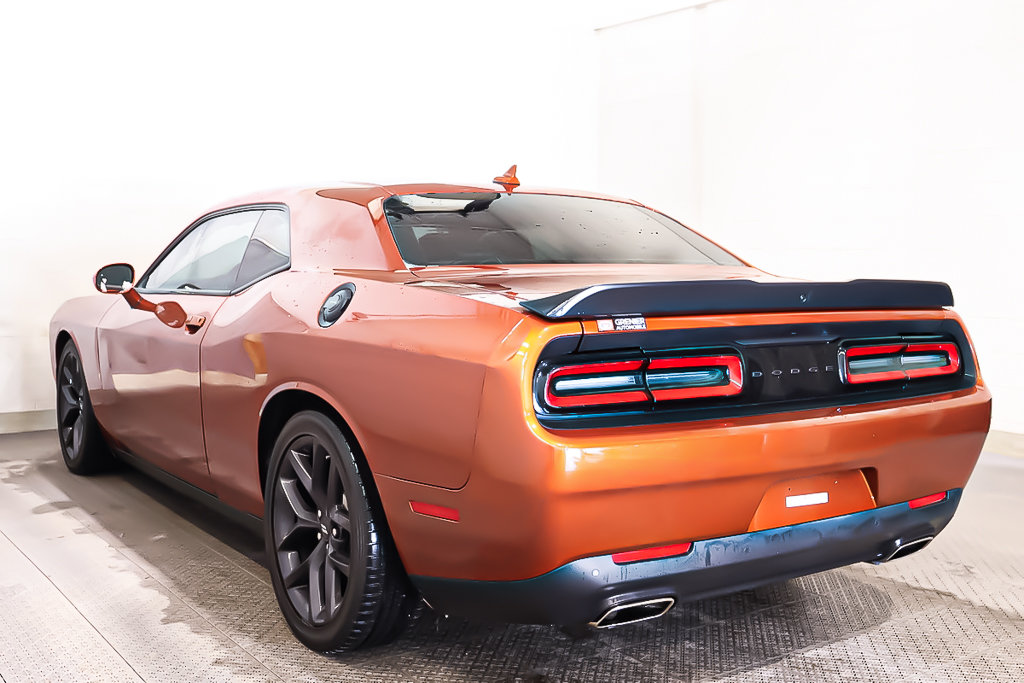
[{"x": 509, "y": 180}]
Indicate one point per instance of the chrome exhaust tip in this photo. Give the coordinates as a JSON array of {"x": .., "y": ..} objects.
[
  {"x": 899, "y": 548},
  {"x": 632, "y": 612}
]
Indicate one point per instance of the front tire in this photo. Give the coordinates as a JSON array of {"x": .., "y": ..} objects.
[
  {"x": 81, "y": 443},
  {"x": 336, "y": 574}
]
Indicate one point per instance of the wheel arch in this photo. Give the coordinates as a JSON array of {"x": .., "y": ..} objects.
[
  {"x": 287, "y": 401},
  {"x": 62, "y": 338},
  {"x": 87, "y": 352},
  {"x": 383, "y": 614}
]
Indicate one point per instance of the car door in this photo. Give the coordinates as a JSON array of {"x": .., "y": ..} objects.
[
  {"x": 235, "y": 376},
  {"x": 151, "y": 402}
]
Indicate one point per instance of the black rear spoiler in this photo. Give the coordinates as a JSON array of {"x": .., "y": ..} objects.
[{"x": 739, "y": 296}]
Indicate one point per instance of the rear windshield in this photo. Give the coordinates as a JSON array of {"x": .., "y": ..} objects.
[{"x": 483, "y": 228}]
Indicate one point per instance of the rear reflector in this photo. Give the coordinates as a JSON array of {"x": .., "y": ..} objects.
[
  {"x": 927, "y": 500},
  {"x": 431, "y": 510},
  {"x": 642, "y": 381},
  {"x": 651, "y": 553},
  {"x": 887, "y": 362}
]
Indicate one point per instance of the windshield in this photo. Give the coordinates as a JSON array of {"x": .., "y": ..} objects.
[{"x": 483, "y": 228}]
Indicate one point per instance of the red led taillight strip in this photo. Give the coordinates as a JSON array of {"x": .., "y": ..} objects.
[
  {"x": 860, "y": 351},
  {"x": 598, "y": 369},
  {"x": 734, "y": 374},
  {"x": 900, "y": 352},
  {"x": 640, "y": 381},
  {"x": 951, "y": 351},
  {"x": 720, "y": 375}
]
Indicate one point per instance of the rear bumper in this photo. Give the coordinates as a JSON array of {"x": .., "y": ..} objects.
[{"x": 582, "y": 590}]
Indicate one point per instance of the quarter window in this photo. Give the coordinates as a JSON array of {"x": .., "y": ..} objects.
[{"x": 268, "y": 249}]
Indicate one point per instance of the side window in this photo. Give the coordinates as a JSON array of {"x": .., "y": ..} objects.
[
  {"x": 268, "y": 250},
  {"x": 208, "y": 257}
]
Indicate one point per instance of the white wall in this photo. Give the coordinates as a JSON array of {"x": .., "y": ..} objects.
[
  {"x": 120, "y": 122},
  {"x": 836, "y": 140},
  {"x": 773, "y": 125}
]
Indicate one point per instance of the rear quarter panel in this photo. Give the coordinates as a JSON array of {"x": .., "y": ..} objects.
[{"x": 404, "y": 367}]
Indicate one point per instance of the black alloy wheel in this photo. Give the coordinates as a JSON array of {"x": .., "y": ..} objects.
[
  {"x": 314, "y": 548},
  {"x": 335, "y": 571},
  {"x": 81, "y": 442}
]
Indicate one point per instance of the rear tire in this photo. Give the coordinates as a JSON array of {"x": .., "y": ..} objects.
[
  {"x": 337, "y": 577},
  {"x": 81, "y": 442}
]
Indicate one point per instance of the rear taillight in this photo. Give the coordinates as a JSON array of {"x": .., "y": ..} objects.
[
  {"x": 643, "y": 381},
  {"x": 694, "y": 377},
  {"x": 887, "y": 362},
  {"x": 594, "y": 384}
]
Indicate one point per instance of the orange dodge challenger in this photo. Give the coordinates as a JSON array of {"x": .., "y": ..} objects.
[{"x": 515, "y": 404}]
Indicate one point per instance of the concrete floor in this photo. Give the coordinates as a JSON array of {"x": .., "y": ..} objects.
[{"x": 116, "y": 578}]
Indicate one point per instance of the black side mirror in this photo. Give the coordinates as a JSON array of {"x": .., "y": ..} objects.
[{"x": 111, "y": 279}]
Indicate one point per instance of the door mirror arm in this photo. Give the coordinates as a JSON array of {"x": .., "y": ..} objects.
[{"x": 170, "y": 313}]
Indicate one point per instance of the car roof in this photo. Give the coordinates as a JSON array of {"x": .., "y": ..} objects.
[{"x": 364, "y": 193}]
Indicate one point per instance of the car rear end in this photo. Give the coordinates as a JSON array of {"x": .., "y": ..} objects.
[
  {"x": 618, "y": 471},
  {"x": 641, "y": 444}
]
